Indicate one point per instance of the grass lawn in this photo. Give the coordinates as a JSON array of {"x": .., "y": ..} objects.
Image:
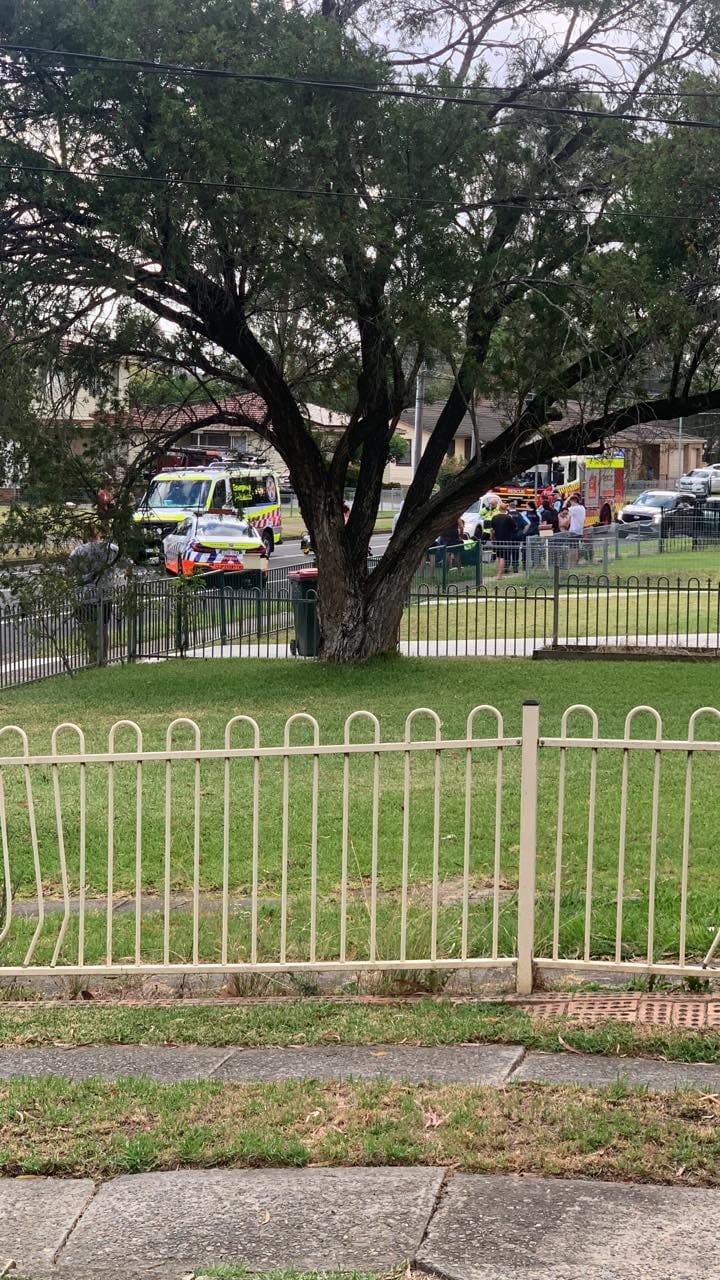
[
  {"x": 212, "y": 691},
  {"x": 512, "y": 614},
  {"x": 96, "y": 1129},
  {"x": 649, "y": 565},
  {"x": 316, "y": 1022}
]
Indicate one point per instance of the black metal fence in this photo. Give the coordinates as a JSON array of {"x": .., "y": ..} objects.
[
  {"x": 573, "y": 612},
  {"x": 154, "y": 619},
  {"x": 148, "y": 619},
  {"x": 602, "y": 550},
  {"x": 694, "y": 531}
]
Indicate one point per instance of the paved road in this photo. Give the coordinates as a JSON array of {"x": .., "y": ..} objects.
[{"x": 289, "y": 552}]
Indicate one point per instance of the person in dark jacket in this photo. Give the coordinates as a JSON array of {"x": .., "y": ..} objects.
[
  {"x": 503, "y": 534},
  {"x": 548, "y": 516}
]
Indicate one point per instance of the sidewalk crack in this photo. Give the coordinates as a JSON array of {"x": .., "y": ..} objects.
[
  {"x": 75, "y": 1223},
  {"x": 517, "y": 1063},
  {"x": 230, "y": 1054},
  {"x": 439, "y": 1197}
]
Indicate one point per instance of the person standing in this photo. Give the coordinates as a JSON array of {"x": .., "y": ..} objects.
[
  {"x": 92, "y": 564},
  {"x": 577, "y": 513},
  {"x": 503, "y": 533},
  {"x": 548, "y": 517},
  {"x": 521, "y": 524}
]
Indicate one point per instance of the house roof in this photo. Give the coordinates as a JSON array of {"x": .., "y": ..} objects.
[
  {"x": 490, "y": 423},
  {"x": 175, "y": 415},
  {"x": 254, "y": 407}
]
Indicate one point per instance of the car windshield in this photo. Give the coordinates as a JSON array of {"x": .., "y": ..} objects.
[
  {"x": 226, "y": 528},
  {"x": 178, "y": 493},
  {"x": 699, "y": 471},
  {"x": 653, "y": 499},
  {"x": 473, "y": 510}
]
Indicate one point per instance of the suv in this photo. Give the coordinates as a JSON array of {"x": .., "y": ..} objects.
[
  {"x": 655, "y": 509},
  {"x": 179, "y": 492}
]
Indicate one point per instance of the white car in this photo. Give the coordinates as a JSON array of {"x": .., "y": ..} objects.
[
  {"x": 696, "y": 482},
  {"x": 207, "y": 543},
  {"x": 470, "y": 518}
]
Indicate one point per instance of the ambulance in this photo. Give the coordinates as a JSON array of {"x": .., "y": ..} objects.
[{"x": 176, "y": 493}]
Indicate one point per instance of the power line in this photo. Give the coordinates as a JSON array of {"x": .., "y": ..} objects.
[
  {"x": 532, "y": 205},
  {"x": 465, "y": 206},
  {"x": 338, "y": 86},
  {"x": 570, "y": 86}
]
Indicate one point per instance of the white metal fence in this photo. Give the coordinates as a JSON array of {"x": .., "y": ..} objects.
[{"x": 483, "y": 849}]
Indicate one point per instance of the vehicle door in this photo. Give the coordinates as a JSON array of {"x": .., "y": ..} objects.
[
  {"x": 220, "y": 496},
  {"x": 174, "y": 545}
]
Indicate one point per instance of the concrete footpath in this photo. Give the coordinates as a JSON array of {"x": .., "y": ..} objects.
[
  {"x": 463, "y": 1064},
  {"x": 172, "y": 1226}
]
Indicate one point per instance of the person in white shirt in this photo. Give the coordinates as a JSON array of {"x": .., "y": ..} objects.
[{"x": 577, "y": 513}]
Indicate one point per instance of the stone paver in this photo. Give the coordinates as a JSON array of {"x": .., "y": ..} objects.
[
  {"x": 36, "y": 1216},
  {"x": 163, "y": 1225},
  {"x": 160, "y": 1062},
  {"x": 660, "y": 1009},
  {"x": 474, "y": 1064},
  {"x": 512, "y": 1228},
  {"x": 596, "y": 1071}
]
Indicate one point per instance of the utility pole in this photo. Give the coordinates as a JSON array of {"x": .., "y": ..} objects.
[
  {"x": 419, "y": 402},
  {"x": 680, "y": 448}
]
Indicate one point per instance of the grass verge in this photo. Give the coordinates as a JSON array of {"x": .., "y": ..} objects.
[
  {"x": 313, "y": 1022},
  {"x": 97, "y": 1129}
]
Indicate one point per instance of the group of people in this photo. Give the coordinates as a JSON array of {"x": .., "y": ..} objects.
[{"x": 509, "y": 524}]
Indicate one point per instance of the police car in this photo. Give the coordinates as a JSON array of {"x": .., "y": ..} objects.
[{"x": 214, "y": 541}]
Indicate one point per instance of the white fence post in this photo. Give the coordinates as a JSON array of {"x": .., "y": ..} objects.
[{"x": 528, "y": 846}]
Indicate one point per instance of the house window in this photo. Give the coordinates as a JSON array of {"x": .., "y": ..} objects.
[
  {"x": 467, "y": 448},
  {"x": 451, "y": 449},
  {"x": 213, "y": 440}
]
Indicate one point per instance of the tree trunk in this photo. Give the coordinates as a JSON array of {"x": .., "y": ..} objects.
[
  {"x": 359, "y": 616},
  {"x": 356, "y": 622}
]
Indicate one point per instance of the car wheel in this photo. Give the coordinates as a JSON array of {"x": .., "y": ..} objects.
[{"x": 269, "y": 541}]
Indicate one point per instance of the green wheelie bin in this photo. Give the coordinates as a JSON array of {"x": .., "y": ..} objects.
[{"x": 303, "y": 593}]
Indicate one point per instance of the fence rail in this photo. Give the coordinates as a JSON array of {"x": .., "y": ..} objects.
[
  {"x": 602, "y": 551},
  {"x": 479, "y": 848},
  {"x": 155, "y": 619}
]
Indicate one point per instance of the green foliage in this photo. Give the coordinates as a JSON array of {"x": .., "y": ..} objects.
[{"x": 347, "y": 238}]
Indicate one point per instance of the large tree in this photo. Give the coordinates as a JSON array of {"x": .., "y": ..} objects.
[{"x": 530, "y": 207}]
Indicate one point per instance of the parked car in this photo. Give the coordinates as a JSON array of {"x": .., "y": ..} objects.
[
  {"x": 207, "y": 543},
  {"x": 696, "y": 482},
  {"x": 677, "y": 512},
  {"x": 471, "y": 518}
]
